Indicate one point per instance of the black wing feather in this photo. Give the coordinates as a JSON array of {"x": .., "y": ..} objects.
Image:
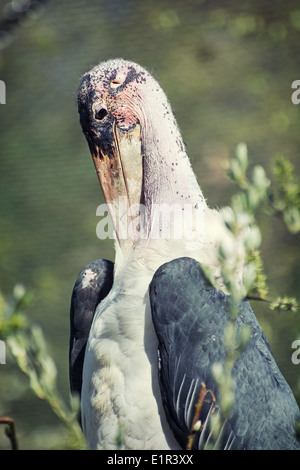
[
  {"x": 190, "y": 317},
  {"x": 92, "y": 285}
]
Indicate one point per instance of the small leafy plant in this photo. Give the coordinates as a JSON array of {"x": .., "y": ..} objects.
[
  {"x": 28, "y": 346},
  {"x": 279, "y": 198}
]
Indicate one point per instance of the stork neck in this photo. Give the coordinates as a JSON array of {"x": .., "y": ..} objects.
[
  {"x": 168, "y": 175},
  {"x": 170, "y": 187}
]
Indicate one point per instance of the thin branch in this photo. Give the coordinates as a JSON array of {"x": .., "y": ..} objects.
[
  {"x": 196, "y": 421},
  {"x": 10, "y": 431}
]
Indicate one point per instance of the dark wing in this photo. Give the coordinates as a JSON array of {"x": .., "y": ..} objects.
[
  {"x": 92, "y": 285},
  {"x": 190, "y": 317}
]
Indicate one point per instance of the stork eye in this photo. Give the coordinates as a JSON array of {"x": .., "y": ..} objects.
[
  {"x": 115, "y": 84},
  {"x": 99, "y": 115}
]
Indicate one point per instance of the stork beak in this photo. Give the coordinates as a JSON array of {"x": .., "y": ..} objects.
[{"x": 120, "y": 172}]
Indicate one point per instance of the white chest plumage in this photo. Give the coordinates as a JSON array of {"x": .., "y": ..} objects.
[{"x": 121, "y": 395}]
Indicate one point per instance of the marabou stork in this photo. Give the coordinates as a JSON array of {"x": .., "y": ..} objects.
[{"x": 147, "y": 329}]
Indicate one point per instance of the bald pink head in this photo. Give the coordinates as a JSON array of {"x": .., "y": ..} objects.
[{"x": 114, "y": 99}]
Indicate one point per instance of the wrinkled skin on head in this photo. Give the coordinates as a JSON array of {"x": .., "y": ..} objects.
[{"x": 111, "y": 93}]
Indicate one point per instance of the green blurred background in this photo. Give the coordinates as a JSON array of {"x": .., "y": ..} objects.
[{"x": 227, "y": 68}]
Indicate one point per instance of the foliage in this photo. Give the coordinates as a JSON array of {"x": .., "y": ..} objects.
[
  {"x": 284, "y": 303},
  {"x": 12, "y": 317},
  {"x": 28, "y": 346},
  {"x": 285, "y": 198},
  {"x": 241, "y": 222}
]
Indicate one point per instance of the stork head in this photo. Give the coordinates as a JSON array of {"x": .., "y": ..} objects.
[
  {"x": 134, "y": 140},
  {"x": 110, "y": 123},
  {"x": 112, "y": 92}
]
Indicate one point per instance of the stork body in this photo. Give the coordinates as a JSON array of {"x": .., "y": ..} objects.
[
  {"x": 122, "y": 348},
  {"x": 127, "y": 389}
]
